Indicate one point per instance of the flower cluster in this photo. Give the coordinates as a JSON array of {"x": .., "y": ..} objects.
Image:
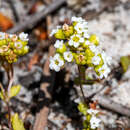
[
  {"x": 91, "y": 121},
  {"x": 74, "y": 44},
  {"x": 13, "y": 46},
  {"x": 94, "y": 121}
]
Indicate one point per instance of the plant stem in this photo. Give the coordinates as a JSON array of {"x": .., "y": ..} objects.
[
  {"x": 9, "y": 116},
  {"x": 80, "y": 84},
  {"x": 11, "y": 78},
  {"x": 9, "y": 71}
]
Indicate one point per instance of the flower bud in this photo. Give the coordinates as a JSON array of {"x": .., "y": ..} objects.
[
  {"x": 62, "y": 49},
  {"x": 94, "y": 39},
  {"x": 59, "y": 34},
  {"x": 69, "y": 31}
]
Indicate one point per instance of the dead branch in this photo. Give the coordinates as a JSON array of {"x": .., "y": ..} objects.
[
  {"x": 32, "y": 20},
  {"x": 16, "y": 16},
  {"x": 113, "y": 106}
]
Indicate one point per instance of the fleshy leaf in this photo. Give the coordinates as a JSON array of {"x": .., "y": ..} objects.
[
  {"x": 59, "y": 34},
  {"x": 17, "y": 123},
  {"x": 82, "y": 108},
  {"x": 1, "y": 95},
  {"x": 125, "y": 62},
  {"x": 14, "y": 90}
]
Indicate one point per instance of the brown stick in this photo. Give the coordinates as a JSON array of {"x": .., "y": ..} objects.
[
  {"x": 16, "y": 16},
  {"x": 80, "y": 84},
  {"x": 32, "y": 20},
  {"x": 113, "y": 106},
  {"x": 42, "y": 115}
]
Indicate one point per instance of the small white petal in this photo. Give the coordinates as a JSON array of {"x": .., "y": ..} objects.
[
  {"x": 58, "y": 44},
  {"x": 54, "y": 31},
  {"x": 86, "y": 35},
  {"x": 68, "y": 56},
  {"x": 71, "y": 43},
  {"x": 96, "y": 60},
  {"x": 76, "y": 44},
  {"x": 23, "y": 36},
  {"x": 81, "y": 40},
  {"x": 77, "y": 19},
  {"x": 56, "y": 62},
  {"x": 2, "y": 35},
  {"x": 18, "y": 45},
  {"x": 92, "y": 111},
  {"x": 87, "y": 42},
  {"x": 94, "y": 121}
]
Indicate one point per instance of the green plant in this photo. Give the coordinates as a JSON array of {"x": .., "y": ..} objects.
[
  {"x": 11, "y": 47},
  {"x": 75, "y": 45}
]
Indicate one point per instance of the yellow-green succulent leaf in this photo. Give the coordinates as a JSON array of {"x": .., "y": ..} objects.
[
  {"x": 125, "y": 62},
  {"x": 94, "y": 39},
  {"x": 14, "y": 90},
  {"x": 1, "y": 95},
  {"x": 62, "y": 49},
  {"x": 68, "y": 32},
  {"x": 17, "y": 123},
  {"x": 59, "y": 34},
  {"x": 82, "y": 108}
]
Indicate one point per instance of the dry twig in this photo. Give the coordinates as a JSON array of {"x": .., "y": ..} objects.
[
  {"x": 113, "y": 106},
  {"x": 32, "y": 20}
]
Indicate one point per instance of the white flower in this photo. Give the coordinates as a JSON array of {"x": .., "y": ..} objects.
[
  {"x": 77, "y": 19},
  {"x": 86, "y": 35},
  {"x": 18, "y": 45},
  {"x": 76, "y": 44},
  {"x": 54, "y": 31},
  {"x": 95, "y": 49},
  {"x": 81, "y": 39},
  {"x": 87, "y": 42},
  {"x": 2, "y": 35},
  {"x": 92, "y": 111},
  {"x": 68, "y": 56},
  {"x": 79, "y": 28},
  {"x": 104, "y": 71},
  {"x": 58, "y": 44},
  {"x": 23, "y": 36},
  {"x": 78, "y": 100},
  {"x": 106, "y": 59},
  {"x": 11, "y": 35},
  {"x": 75, "y": 40},
  {"x": 71, "y": 42},
  {"x": 94, "y": 121},
  {"x": 56, "y": 62},
  {"x": 96, "y": 60}
]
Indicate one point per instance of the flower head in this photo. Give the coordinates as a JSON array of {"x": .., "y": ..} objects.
[
  {"x": 94, "y": 122},
  {"x": 18, "y": 45},
  {"x": 75, "y": 40},
  {"x": 58, "y": 44},
  {"x": 56, "y": 62},
  {"x": 77, "y": 45},
  {"x": 68, "y": 56},
  {"x": 12, "y": 46},
  {"x": 96, "y": 60}
]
